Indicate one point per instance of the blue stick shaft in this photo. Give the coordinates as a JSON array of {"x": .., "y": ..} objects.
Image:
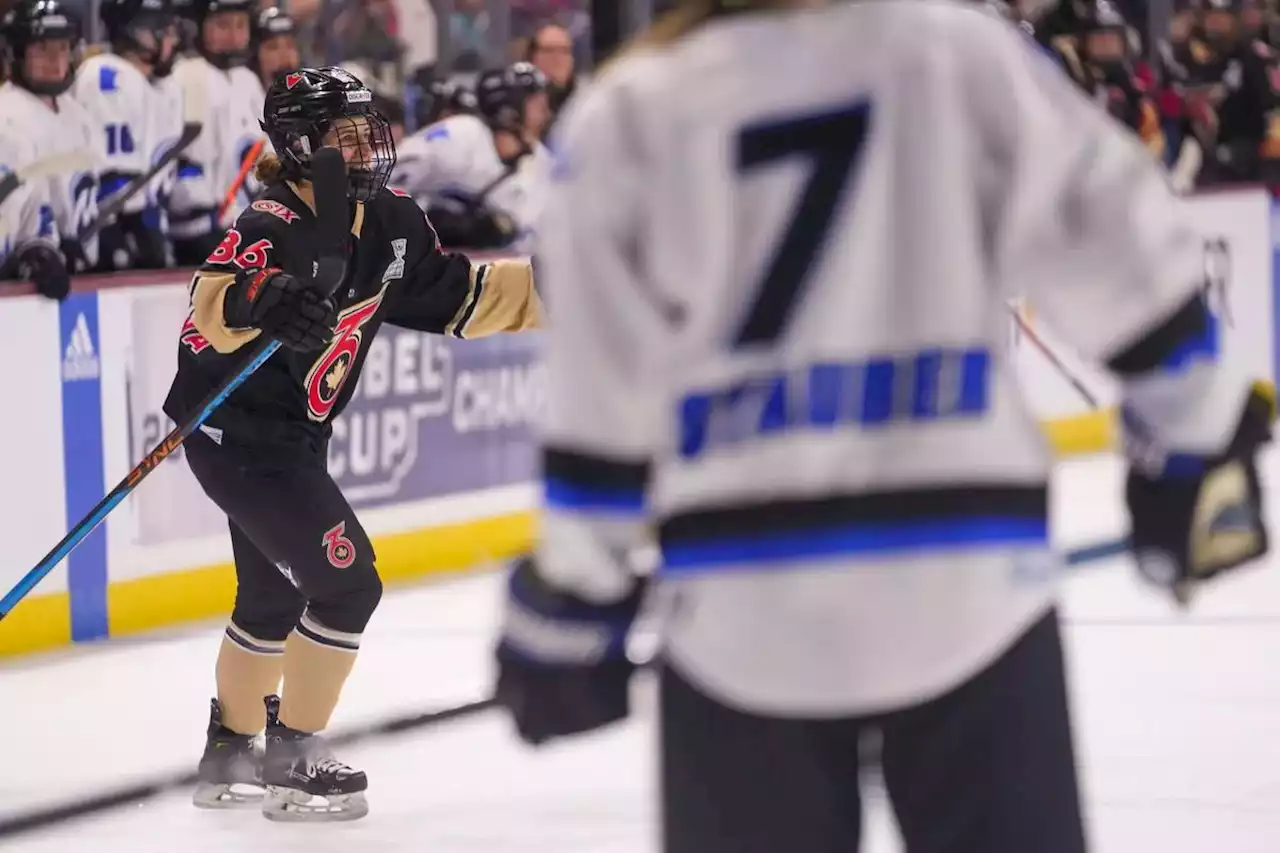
[
  {"x": 170, "y": 443},
  {"x": 1098, "y": 551}
]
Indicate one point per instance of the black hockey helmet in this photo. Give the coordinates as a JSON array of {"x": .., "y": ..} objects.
[
  {"x": 34, "y": 21},
  {"x": 501, "y": 94},
  {"x": 125, "y": 19},
  {"x": 202, "y": 10},
  {"x": 446, "y": 97},
  {"x": 1105, "y": 35},
  {"x": 271, "y": 23},
  {"x": 187, "y": 26},
  {"x": 304, "y": 105}
]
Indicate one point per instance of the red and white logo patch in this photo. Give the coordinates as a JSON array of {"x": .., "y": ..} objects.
[
  {"x": 329, "y": 372},
  {"x": 293, "y": 79},
  {"x": 338, "y": 549},
  {"x": 276, "y": 209}
]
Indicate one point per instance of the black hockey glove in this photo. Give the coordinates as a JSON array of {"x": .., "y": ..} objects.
[
  {"x": 562, "y": 663},
  {"x": 461, "y": 222},
  {"x": 1201, "y": 516},
  {"x": 283, "y": 307},
  {"x": 73, "y": 255},
  {"x": 132, "y": 242},
  {"x": 42, "y": 265}
]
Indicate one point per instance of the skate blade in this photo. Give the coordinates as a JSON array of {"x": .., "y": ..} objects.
[
  {"x": 290, "y": 804},
  {"x": 209, "y": 795}
]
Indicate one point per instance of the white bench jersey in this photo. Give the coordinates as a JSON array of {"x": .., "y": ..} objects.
[
  {"x": 72, "y": 196},
  {"x": 777, "y": 256},
  {"x": 233, "y": 101},
  {"x": 457, "y": 158},
  {"x": 26, "y": 215}
]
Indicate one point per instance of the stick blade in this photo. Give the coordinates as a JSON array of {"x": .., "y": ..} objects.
[
  {"x": 333, "y": 211},
  {"x": 333, "y": 217},
  {"x": 190, "y": 132}
]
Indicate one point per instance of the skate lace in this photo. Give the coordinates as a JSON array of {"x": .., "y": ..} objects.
[{"x": 330, "y": 766}]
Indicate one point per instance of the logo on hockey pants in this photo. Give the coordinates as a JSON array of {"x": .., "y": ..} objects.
[{"x": 339, "y": 550}]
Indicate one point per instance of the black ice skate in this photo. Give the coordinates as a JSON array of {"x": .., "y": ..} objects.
[
  {"x": 303, "y": 780},
  {"x": 231, "y": 768}
]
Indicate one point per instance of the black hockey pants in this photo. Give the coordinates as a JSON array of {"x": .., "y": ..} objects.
[{"x": 986, "y": 768}]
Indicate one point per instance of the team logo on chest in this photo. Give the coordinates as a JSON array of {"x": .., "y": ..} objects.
[{"x": 329, "y": 373}]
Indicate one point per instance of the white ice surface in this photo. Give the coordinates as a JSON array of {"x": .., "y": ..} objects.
[{"x": 1178, "y": 721}]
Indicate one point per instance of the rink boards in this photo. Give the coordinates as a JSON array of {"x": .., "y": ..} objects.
[{"x": 435, "y": 451}]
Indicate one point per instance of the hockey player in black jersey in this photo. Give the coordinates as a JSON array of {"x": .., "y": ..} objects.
[
  {"x": 306, "y": 578},
  {"x": 780, "y": 348}
]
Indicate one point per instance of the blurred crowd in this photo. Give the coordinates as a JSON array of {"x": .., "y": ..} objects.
[
  {"x": 472, "y": 87},
  {"x": 1201, "y": 87}
]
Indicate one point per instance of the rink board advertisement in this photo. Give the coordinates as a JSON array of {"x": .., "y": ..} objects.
[{"x": 435, "y": 450}]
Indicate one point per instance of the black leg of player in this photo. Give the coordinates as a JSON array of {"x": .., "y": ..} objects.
[
  {"x": 990, "y": 766},
  {"x": 734, "y": 782},
  {"x": 307, "y": 588}
]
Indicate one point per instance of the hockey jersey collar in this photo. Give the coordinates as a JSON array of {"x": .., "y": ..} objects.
[{"x": 308, "y": 198}]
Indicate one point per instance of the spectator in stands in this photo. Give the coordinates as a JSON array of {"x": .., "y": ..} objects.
[
  {"x": 1232, "y": 99},
  {"x": 551, "y": 52},
  {"x": 1113, "y": 73},
  {"x": 469, "y": 36}
]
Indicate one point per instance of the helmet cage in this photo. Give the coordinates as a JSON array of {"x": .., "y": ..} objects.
[{"x": 370, "y": 151}]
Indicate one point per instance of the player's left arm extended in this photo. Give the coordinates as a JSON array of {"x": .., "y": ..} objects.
[{"x": 446, "y": 293}]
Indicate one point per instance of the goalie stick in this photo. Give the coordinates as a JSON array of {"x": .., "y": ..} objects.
[{"x": 329, "y": 181}]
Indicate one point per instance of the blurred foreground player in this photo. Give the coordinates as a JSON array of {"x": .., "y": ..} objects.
[
  {"x": 780, "y": 306},
  {"x": 307, "y": 584}
]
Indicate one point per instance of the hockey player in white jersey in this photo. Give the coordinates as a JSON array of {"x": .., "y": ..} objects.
[
  {"x": 138, "y": 120},
  {"x": 28, "y": 244},
  {"x": 275, "y": 46},
  {"x": 481, "y": 177},
  {"x": 216, "y": 75},
  {"x": 273, "y": 51},
  {"x": 40, "y": 40},
  {"x": 778, "y": 295}
]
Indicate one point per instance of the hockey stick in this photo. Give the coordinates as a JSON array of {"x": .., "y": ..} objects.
[
  {"x": 1053, "y": 358},
  {"x": 107, "y": 212},
  {"x": 144, "y": 790},
  {"x": 1098, "y": 551},
  {"x": 162, "y": 451},
  {"x": 246, "y": 165},
  {"x": 141, "y": 791},
  {"x": 195, "y": 112},
  {"x": 54, "y": 164},
  {"x": 329, "y": 185}
]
